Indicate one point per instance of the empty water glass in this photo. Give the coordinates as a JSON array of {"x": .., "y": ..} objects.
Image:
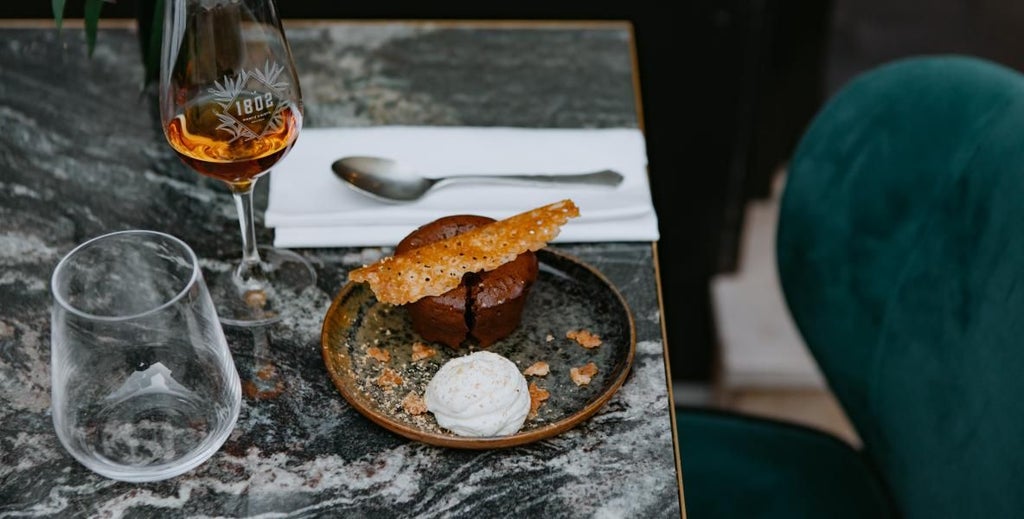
[{"x": 143, "y": 384}]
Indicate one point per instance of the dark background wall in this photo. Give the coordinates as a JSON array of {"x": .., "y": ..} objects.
[
  {"x": 727, "y": 88},
  {"x": 870, "y": 32}
]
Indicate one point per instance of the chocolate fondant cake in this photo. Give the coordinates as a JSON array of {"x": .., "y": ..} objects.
[{"x": 485, "y": 306}]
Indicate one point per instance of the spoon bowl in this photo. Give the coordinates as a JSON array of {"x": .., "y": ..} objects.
[{"x": 384, "y": 180}]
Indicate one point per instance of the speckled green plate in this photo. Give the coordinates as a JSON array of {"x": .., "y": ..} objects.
[{"x": 568, "y": 295}]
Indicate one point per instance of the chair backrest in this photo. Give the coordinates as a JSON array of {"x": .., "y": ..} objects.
[{"x": 901, "y": 254}]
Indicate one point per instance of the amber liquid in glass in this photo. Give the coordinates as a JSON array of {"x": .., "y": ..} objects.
[{"x": 229, "y": 144}]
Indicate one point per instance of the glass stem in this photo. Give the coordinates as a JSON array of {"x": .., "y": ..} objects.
[{"x": 249, "y": 274}]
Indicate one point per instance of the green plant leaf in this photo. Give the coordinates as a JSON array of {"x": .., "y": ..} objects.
[
  {"x": 92, "y": 20},
  {"x": 58, "y": 12},
  {"x": 151, "y": 52}
]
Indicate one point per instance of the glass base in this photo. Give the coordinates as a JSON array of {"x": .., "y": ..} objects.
[{"x": 288, "y": 275}]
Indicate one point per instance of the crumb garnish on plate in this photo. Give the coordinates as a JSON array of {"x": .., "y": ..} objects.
[
  {"x": 581, "y": 376},
  {"x": 378, "y": 354},
  {"x": 414, "y": 404},
  {"x": 584, "y": 338},
  {"x": 421, "y": 351},
  {"x": 537, "y": 369},
  {"x": 389, "y": 379},
  {"x": 537, "y": 397}
]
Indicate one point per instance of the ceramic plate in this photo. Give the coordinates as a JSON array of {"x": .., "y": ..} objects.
[{"x": 568, "y": 295}]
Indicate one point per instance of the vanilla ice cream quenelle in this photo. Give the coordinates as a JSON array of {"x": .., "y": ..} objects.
[{"x": 481, "y": 394}]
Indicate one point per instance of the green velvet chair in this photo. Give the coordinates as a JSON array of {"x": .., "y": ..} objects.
[{"x": 901, "y": 254}]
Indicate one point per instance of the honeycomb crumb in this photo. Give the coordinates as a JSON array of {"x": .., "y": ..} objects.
[
  {"x": 378, "y": 354},
  {"x": 581, "y": 376},
  {"x": 537, "y": 369},
  {"x": 389, "y": 379},
  {"x": 421, "y": 351},
  {"x": 537, "y": 397},
  {"x": 414, "y": 404},
  {"x": 584, "y": 338},
  {"x": 438, "y": 267}
]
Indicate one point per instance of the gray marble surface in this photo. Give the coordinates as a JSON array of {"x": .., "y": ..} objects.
[{"x": 81, "y": 154}]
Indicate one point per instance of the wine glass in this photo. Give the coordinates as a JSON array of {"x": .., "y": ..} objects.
[{"x": 231, "y": 108}]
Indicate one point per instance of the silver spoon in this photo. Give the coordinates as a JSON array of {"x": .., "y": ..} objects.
[{"x": 380, "y": 178}]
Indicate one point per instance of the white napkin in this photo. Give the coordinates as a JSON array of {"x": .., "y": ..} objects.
[{"x": 310, "y": 207}]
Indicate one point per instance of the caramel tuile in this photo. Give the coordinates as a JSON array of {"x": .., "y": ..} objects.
[{"x": 438, "y": 267}]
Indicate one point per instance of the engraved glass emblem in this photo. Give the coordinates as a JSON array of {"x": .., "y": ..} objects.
[{"x": 252, "y": 102}]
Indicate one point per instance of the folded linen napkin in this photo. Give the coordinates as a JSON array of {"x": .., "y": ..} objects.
[{"x": 310, "y": 207}]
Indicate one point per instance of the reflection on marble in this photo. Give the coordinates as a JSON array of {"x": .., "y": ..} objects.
[{"x": 81, "y": 153}]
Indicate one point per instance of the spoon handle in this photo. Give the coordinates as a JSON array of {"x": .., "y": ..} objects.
[{"x": 605, "y": 177}]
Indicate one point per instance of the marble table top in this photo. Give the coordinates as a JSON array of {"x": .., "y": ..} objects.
[{"x": 82, "y": 154}]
